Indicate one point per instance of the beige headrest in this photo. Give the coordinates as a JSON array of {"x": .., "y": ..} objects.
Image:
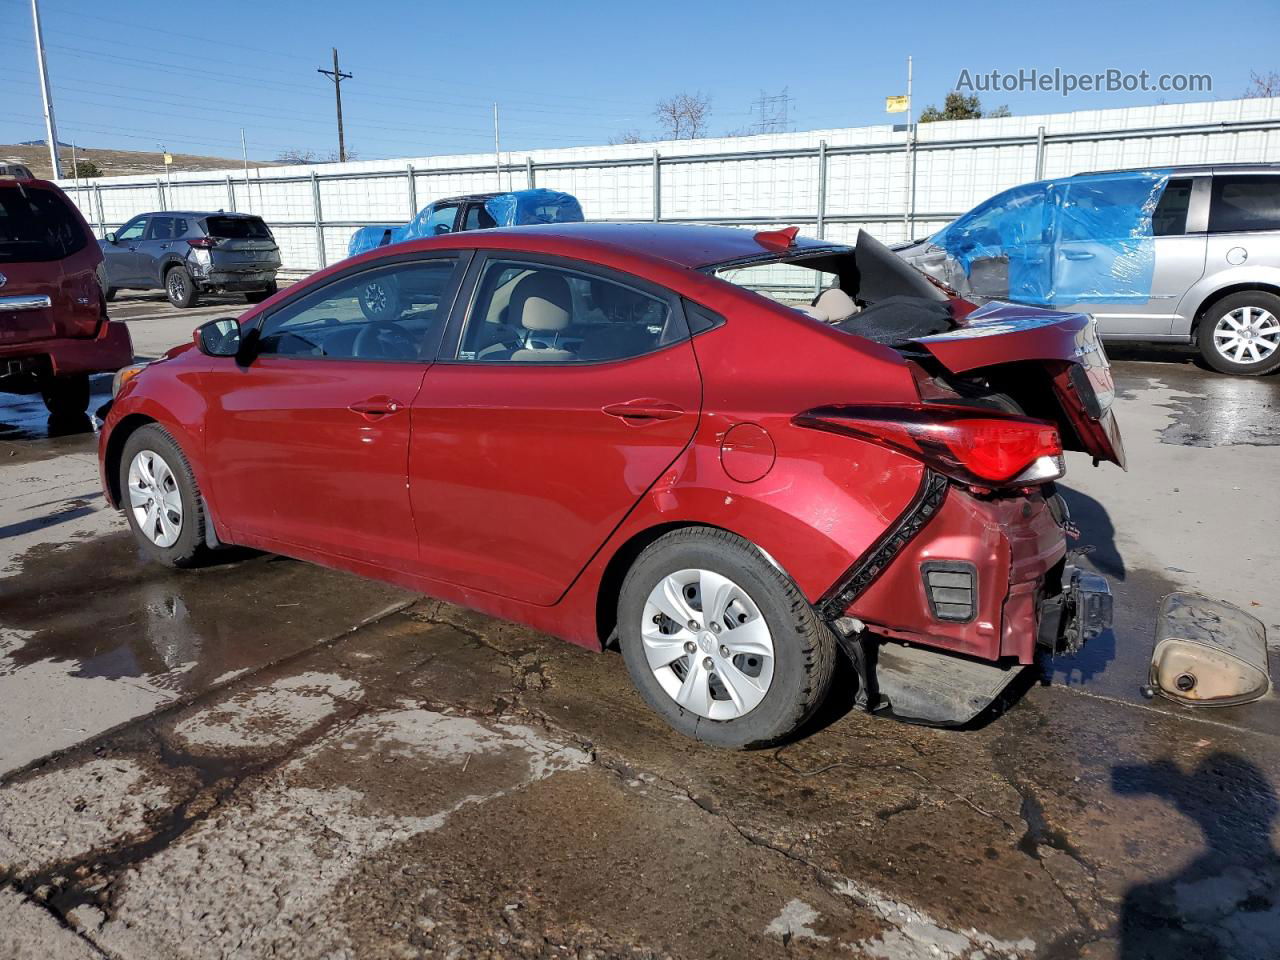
[
  {"x": 542, "y": 302},
  {"x": 544, "y": 355},
  {"x": 833, "y": 305}
]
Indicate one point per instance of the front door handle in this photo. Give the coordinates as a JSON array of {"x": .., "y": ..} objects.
[
  {"x": 375, "y": 408},
  {"x": 1078, "y": 255},
  {"x": 643, "y": 411}
]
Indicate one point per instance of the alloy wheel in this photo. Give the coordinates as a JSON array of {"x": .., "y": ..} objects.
[
  {"x": 155, "y": 499},
  {"x": 707, "y": 644},
  {"x": 177, "y": 286},
  {"x": 1247, "y": 335},
  {"x": 375, "y": 298}
]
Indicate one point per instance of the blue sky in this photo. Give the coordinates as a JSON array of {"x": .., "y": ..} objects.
[{"x": 136, "y": 73}]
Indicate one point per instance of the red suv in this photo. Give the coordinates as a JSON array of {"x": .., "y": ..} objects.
[
  {"x": 600, "y": 431},
  {"x": 54, "y": 330}
]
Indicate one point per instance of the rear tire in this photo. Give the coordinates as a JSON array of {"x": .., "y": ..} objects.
[
  {"x": 180, "y": 288},
  {"x": 257, "y": 296},
  {"x": 66, "y": 397},
  {"x": 161, "y": 500},
  {"x": 109, "y": 294},
  {"x": 790, "y": 650},
  {"x": 1240, "y": 334}
]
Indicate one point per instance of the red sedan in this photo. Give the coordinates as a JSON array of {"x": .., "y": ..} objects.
[{"x": 628, "y": 432}]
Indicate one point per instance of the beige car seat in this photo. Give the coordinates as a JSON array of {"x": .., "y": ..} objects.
[
  {"x": 831, "y": 306},
  {"x": 544, "y": 305}
]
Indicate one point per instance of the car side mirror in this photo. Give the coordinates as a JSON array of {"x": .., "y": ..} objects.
[
  {"x": 218, "y": 338},
  {"x": 111, "y": 237}
]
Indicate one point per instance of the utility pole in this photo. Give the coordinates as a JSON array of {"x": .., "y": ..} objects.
[
  {"x": 497, "y": 149},
  {"x": 337, "y": 76},
  {"x": 244, "y": 152},
  {"x": 50, "y": 128}
]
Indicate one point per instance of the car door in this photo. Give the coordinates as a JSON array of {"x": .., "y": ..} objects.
[
  {"x": 121, "y": 255},
  {"x": 568, "y": 391},
  {"x": 309, "y": 441},
  {"x": 1132, "y": 285},
  {"x": 1244, "y": 222},
  {"x": 154, "y": 246}
]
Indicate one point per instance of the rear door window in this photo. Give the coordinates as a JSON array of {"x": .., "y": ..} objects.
[
  {"x": 36, "y": 226},
  {"x": 237, "y": 228},
  {"x": 478, "y": 218},
  {"x": 161, "y": 228},
  {"x": 1241, "y": 203},
  {"x": 1170, "y": 217}
]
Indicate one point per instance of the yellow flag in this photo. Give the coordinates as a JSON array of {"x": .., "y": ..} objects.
[
  {"x": 168, "y": 158},
  {"x": 895, "y": 104}
]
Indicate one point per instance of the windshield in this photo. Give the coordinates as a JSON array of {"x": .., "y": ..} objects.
[
  {"x": 237, "y": 228},
  {"x": 37, "y": 225}
]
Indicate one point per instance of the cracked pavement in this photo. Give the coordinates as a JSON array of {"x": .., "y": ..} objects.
[{"x": 269, "y": 759}]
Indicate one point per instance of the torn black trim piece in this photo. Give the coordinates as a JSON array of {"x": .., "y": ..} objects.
[{"x": 927, "y": 501}]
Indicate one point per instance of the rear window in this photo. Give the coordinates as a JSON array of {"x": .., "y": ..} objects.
[
  {"x": 37, "y": 225},
  {"x": 237, "y": 228},
  {"x": 1244, "y": 203}
]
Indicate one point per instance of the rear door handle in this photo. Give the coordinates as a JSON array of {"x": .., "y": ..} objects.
[
  {"x": 376, "y": 407},
  {"x": 643, "y": 411}
]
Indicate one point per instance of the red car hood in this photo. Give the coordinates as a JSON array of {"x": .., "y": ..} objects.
[{"x": 1065, "y": 344}]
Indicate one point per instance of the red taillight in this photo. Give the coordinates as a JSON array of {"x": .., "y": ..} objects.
[
  {"x": 203, "y": 243},
  {"x": 988, "y": 449}
]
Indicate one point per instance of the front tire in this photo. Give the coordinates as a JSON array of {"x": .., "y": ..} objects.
[
  {"x": 180, "y": 288},
  {"x": 160, "y": 498},
  {"x": 1240, "y": 334},
  {"x": 720, "y": 642},
  {"x": 66, "y": 397}
]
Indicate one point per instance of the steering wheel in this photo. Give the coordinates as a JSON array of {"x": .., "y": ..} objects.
[{"x": 384, "y": 340}]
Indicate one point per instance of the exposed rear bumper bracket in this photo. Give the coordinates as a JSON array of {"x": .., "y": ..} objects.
[{"x": 1080, "y": 612}]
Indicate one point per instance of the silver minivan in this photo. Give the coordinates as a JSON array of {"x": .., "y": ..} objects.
[{"x": 1178, "y": 255}]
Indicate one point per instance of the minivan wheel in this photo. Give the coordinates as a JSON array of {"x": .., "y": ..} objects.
[
  {"x": 180, "y": 288},
  {"x": 1240, "y": 334},
  {"x": 160, "y": 498},
  {"x": 720, "y": 642},
  {"x": 257, "y": 296},
  {"x": 66, "y": 397}
]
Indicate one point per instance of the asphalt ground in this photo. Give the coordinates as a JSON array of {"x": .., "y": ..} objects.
[{"x": 264, "y": 758}]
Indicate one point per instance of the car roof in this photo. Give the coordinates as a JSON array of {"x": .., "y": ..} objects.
[
  {"x": 1193, "y": 168},
  {"x": 683, "y": 244}
]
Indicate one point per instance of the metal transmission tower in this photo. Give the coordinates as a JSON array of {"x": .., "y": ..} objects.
[
  {"x": 337, "y": 76},
  {"x": 772, "y": 112}
]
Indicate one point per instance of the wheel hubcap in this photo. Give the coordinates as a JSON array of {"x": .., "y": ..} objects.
[
  {"x": 176, "y": 287},
  {"x": 375, "y": 297},
  {"x": 154, "y": 498},
  {"x": 707, "y": 644},
  {"x": 1247, "y": 335}
]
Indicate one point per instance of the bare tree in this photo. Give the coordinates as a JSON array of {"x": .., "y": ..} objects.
[
  {"x": 1263, "y": 84},
  {"x": 683, "y": 116},
  {"x": 297, "y": 156},
  {"x": 628, "y": 136}
]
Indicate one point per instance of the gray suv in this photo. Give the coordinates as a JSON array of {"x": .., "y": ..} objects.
[
  {"x": 186, "y": 253},
  {"x": 1181, "y": 255}
]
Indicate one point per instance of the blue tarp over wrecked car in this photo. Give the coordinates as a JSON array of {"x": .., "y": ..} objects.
[{"x": 516, "y": 208}]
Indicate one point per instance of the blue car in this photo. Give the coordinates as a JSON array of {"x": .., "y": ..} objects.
[{"x": 477, "y": 211}]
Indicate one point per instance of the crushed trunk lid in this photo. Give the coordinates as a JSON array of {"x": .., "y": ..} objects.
[{"x": 1065, "y": 345}]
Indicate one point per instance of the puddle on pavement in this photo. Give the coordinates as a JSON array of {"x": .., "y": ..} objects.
[
  {"x": 28, "y": 433},
  {"x": 1210, "y": 409},
  {"x": 101, "y": 606}
]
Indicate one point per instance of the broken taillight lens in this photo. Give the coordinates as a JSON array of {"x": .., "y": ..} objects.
[
  {"x": 203, "y": 243},
  {"x": 980, "y": 448}
]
